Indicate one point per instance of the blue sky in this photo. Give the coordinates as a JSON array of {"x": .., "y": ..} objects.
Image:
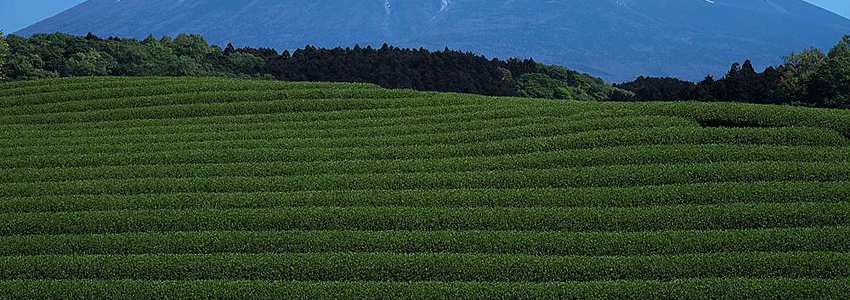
[
  {"x": 17, "y": 14},
  {"x": 841, "y": 7}
]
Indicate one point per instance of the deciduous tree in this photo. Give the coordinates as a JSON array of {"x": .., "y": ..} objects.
[
  {"x": 831, "y": 83},
  {"x": 797, "y": 71}
]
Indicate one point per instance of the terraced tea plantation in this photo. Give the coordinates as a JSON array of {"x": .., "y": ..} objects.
[{"x": 211, "y": 188}]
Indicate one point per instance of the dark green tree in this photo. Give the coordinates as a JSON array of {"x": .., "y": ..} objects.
[
  {"x": 191, "y": 45},
  {"x": 132, "y": 58},
  {"x": 150, "y": 39},
  {"x": 90, "y": 63},
  {"x": 244, "y": 63},
  {"x": 4, "y": 50},
  {"x": 229, "y": 49},
  {"x": 796, "y": 72},
  {"x": 830, "y": 85},
  {"x": 23, "y": 61},
  {"x": 539, "y": 85}
]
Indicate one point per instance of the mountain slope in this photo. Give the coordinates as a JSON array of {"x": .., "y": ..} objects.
[{"x": 614, "y": 39}]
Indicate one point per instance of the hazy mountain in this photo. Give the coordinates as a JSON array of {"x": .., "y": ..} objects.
[{"x": 614, "y": 39}]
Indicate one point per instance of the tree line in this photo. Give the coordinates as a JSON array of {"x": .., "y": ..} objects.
[
  {"x": 809, "y": 78},
  {"x": 62, "y": 55}
]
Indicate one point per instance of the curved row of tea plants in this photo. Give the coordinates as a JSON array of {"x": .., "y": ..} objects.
[{"x": 211, "y": 188}]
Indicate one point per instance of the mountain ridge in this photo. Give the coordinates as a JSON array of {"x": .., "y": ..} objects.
[{"x": 614, "y": 39}]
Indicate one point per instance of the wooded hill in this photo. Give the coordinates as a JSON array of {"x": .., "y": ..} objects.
[
  {"x": 63, "y": 55},
  {"x": 810, "y": 78}
]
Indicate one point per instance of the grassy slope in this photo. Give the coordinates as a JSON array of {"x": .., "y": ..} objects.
[{"x": 203, "y": 187}]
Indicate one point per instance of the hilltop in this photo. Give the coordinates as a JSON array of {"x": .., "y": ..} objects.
[{"x": 617, "y": 40}]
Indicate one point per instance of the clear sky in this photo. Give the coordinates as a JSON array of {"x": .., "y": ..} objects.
[
  {"x": 17, "y": 14},
  {"x": 841, "y": 7}
]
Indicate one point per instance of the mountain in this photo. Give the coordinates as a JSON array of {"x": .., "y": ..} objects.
[{"x": 614, "y": 39}]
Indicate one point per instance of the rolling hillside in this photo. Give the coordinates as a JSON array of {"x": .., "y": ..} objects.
[{"x": 199, "y": 188}]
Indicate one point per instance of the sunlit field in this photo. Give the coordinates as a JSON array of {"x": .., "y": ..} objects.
[{"x": 224, "y": 188}]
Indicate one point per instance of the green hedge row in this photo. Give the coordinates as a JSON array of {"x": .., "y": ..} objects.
[
  {"x": 700, "y": 193},
  {"x": 466, "y": 117},
  {"x": 494, "y": 109},
  {"x": 605, "y": 176},
  {"x": 696, "y": 289},
  {"x": 736, "y": 112},
  {"x": 634, "y": 155},
  {"x": 744, "y": 113},
  {"x": 137, "y": 97},
  {"x": 427, "y": 267},
  {"x": 57, "y": 84},
  {"x": 684, "y": 217},
  {"x": 53, "y": 89},
  {"x": 283, "y": 150},
  {"x": 13, "y": 86},
  {"x": 102, "y": 89},
  {"x": 260, "y": 131},
  {"x": 151, "y": 94},
  {"x": 494, "y": 242},
  {"x": 234, "y": 105},
  {"x": 371, "y": 137},
  {"x": 306, "y": 120}
]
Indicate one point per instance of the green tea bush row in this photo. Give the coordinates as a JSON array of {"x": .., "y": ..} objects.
[
  {"x": 107, "y": 99},
  {"x": 428, "y": 267},
  {"x": 360, "y": 120},
  {"x": 152, "y": 86},
  {"x": 405, "y": 115},
  {"x": 335, "y": 120},
  {"x": 713, "y": 288},
  {"x": 680, "y": 217},
  {"x": 760, "y": 115},
  {"x": 605, "y": 176},
  {"x": 277, "y": 131},
  {"x": 50, "y": 90},
  {"x": 448, "y": 111},
  {"x": 607, "y": 113},
  {"x": 96, "y": 97},
  {"x": 96, "y": 81},
  {"x": 833, "y": 239},
  {"x": 632, "y": 155},
  {"x": 306, "y": 150},
  {"x": 183, "y": 106},
  {"x": 700, "y": 193},
  {"x": 235, "y": 104},
  {"x": 317, "y": 138},
  {"x": 47, "y": 82}
]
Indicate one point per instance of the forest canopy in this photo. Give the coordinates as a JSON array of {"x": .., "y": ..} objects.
[
  {"x": 63, "y": 55},
  {"x": 810, "y": 77}
]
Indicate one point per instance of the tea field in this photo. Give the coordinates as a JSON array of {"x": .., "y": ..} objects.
[{"x": 211, "y": 188}]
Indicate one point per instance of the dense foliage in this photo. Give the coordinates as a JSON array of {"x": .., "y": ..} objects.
[
  {"x": 221, "y": 188},
  {"x": 4, "y": 50},
  {"x": 62, "y": 55},
  {"x": 809, "y": 78}
]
